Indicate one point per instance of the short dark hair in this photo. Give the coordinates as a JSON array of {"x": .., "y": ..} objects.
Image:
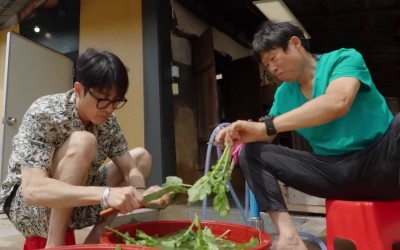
[
  {"x": 101, "y": 70},
  {"x": 273, "y": 35}
]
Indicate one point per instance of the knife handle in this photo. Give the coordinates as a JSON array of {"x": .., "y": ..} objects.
[{"x": 108, "y": 211}]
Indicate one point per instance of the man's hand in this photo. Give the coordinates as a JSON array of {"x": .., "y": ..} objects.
[
  {"x": 125, "y": 199},
  {"x": 242, "y": 132},
  {"x": 161, "y": 202}
]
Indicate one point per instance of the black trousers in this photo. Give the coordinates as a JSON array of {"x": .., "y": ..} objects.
[{"x": 369, "y": 174}]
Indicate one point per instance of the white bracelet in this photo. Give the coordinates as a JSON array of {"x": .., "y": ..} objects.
[{"x": 104, "y": 198}]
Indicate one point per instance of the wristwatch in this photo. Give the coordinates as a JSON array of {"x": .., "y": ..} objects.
[{"x": 269, "y": 124}]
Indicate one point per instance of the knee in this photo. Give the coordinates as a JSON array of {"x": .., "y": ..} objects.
[
  {"x": 142, "y": 159},
  {"x": 253, "y": 152},
  {"x": 254, "y": 149},
  {"x": 246, "y": 152},
  {"x": 83, "y": 143}
]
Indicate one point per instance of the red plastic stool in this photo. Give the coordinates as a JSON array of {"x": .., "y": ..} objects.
[
  {"x": 37, "y": 242},
  {"x": 368, "y": 224}
]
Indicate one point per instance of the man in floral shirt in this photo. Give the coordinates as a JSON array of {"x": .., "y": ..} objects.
[{"x": 56, "y": 181}]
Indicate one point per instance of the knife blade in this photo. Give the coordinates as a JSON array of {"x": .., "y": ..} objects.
[
  {"x": 156, "y": 195},
  {"x": 146, "y": 199}
]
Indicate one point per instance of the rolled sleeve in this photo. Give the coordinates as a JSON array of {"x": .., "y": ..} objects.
[{"x": 33, "y": 146}]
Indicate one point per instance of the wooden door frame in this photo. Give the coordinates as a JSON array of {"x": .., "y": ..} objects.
[{"x": 158, "y": 102}]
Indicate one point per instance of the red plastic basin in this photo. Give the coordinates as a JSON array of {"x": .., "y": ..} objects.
[
  {"x": 100, "y": 247},
  {"x": 238, "y": 233}
]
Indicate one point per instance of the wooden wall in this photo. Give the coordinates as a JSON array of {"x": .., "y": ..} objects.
[{"x": 117, "y": 26}]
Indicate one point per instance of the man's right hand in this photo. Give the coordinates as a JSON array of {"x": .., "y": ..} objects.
[
  {"x": 242, "y": 132},
  {"x": 125, "y": 199}
]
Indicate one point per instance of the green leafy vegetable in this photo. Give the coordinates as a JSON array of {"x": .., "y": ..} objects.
[
  {"x": 215, "y": 181},
  {"x": 125, "y": 236},
  {"x": 177, "y": 183},
  {"x": 195, "y": 237}
]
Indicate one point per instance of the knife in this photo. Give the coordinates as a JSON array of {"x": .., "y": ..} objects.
[{"x": 146, "y": 199}]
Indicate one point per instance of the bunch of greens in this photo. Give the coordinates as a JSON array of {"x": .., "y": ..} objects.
[
  {"x": 194, "y": 237},
  {"x": 215, "y": 181}
]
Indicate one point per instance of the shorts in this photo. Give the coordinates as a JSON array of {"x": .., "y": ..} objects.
[{"x": 34, "y": 220}]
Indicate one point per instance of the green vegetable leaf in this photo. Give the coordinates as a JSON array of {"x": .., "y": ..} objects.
[
  {"x": 253, "y": 242},
  {"x": 215, "y": 182},
  {"x": 210, "y": 239},
  {"x": 221, "y": 204},
  {"x": 199, "y": 190},
  {"x": 125, "y": 237},
  {"x": 145, "y": 240},
  {"x": 177, "y": 183}
]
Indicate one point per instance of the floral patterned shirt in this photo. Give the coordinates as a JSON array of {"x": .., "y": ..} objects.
[{"x": 46, "y": 126}]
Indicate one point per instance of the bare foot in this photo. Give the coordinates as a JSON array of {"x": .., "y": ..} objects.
[{"x": 285, "y": 243}]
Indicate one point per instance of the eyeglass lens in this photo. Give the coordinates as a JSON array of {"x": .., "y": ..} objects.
[{"x": 102, "y": 103}]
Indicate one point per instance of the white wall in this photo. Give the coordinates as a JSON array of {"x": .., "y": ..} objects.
[{"x": 181, "y": 48}]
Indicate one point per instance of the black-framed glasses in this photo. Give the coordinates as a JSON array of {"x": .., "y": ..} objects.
[{"x": 103, "y": 103}]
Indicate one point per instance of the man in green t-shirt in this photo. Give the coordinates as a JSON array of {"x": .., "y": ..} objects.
[{"x": 331, "y": 100}]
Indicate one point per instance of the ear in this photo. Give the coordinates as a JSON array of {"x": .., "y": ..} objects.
[
  {"x": 78, "y": 88},
  {"x": 295, "y": 42}
]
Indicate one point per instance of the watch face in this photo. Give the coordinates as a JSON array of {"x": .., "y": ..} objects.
[{"x": 263, "y": 118}]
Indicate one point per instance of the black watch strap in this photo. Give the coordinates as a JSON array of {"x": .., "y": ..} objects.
[{"x": 269, "y": 124}]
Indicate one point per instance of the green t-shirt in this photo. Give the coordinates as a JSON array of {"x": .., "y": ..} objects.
[{"x": 367, "y": 120}]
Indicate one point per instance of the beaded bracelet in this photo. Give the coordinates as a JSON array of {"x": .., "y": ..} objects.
[{"x": 104, "y": 198}]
